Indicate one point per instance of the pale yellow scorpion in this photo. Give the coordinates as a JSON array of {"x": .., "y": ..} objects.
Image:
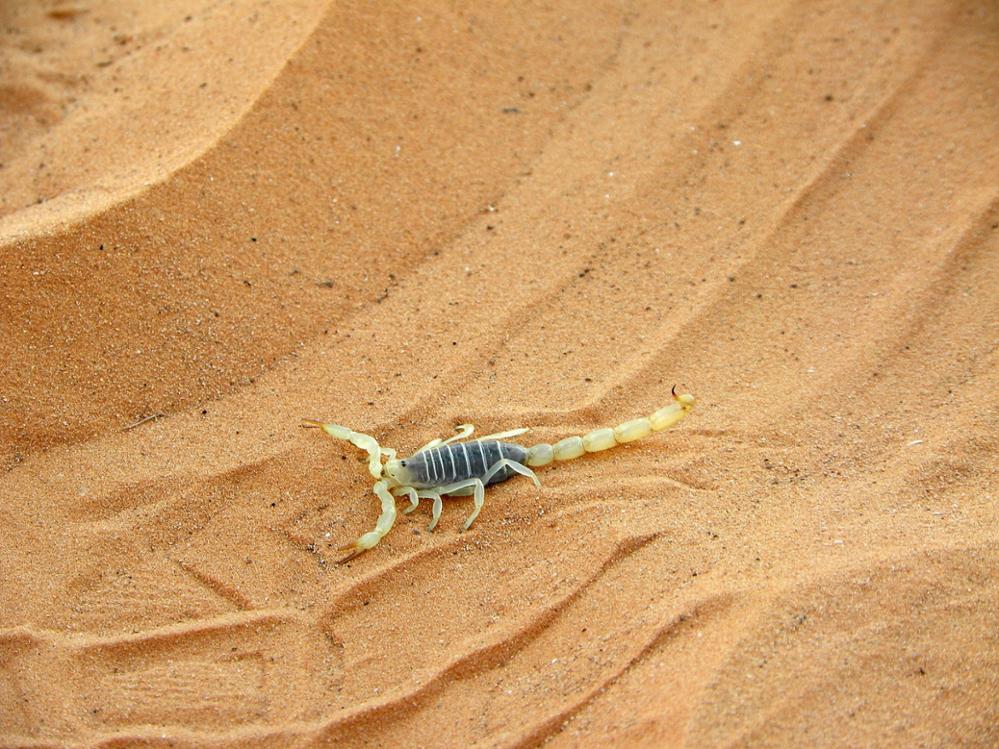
[{"x": 452, "y": 467}]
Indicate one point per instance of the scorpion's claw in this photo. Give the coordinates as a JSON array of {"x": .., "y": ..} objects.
[
  {"x": 365, "y": 542},
  {"x": 353, "y": 552}
]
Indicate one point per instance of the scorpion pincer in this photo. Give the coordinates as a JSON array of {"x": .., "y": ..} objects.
[{"x": 459, "y": 467}]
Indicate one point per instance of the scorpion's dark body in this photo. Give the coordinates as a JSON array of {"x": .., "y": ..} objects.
[{"x": 458, "y": 461}]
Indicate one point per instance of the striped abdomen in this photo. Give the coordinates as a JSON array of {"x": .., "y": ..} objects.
[{"x": 458, "y": 461}]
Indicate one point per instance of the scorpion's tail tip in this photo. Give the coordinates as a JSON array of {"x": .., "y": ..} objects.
[{"x": 684, "y": 398}]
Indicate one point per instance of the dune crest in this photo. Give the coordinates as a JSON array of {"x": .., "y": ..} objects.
[{"x": 102, "y": 100}]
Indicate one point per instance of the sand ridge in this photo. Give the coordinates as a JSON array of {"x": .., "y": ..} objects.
[{"x": 538, "y": 217}]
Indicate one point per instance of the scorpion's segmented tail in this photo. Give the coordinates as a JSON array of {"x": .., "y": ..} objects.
[{"x": 603, "y": 439}]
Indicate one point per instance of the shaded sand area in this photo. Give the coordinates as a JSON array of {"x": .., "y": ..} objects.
[{"x": 219, "y": 217}]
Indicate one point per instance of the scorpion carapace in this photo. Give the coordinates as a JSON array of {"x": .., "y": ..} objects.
[{"x": 457, "y": 466}]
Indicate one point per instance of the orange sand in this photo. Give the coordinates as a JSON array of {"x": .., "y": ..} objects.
[{"x": 229, "y": 215}]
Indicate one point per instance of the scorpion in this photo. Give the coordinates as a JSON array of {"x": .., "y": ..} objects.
[{"x": 456, "y": 468}]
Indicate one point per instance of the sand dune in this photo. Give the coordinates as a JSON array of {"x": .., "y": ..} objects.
[{"x": 407, "y": 218}]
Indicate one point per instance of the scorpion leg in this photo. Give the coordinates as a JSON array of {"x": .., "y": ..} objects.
[
  {"x": 436, "y": 511},
  {"x": 463, "y": 430},
  {"x": 414, "y": 500},
  {"x": 479, "y": 485},
  {"x": 514, "y": 466},
  {"x": 479, "y": 499},
  {"x": 464, "y": 488},
  {"x": 505, "y": 435}
]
